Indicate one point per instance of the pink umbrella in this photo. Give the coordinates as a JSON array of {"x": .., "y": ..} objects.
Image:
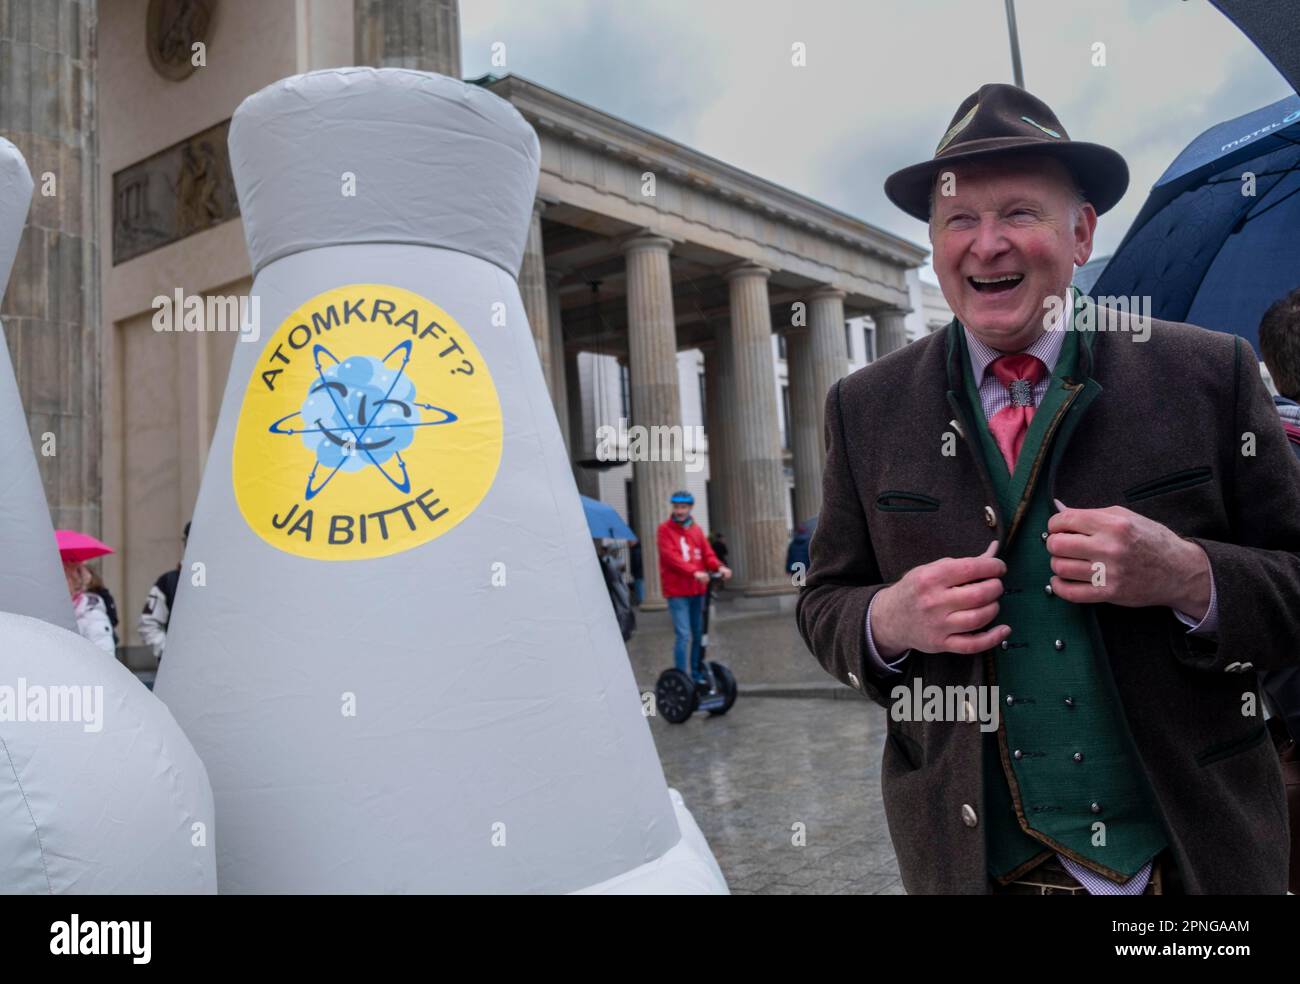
[{"x": 74, "y": 546}]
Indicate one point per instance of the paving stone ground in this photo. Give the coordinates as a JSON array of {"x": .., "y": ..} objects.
[{"x": 751, "y": 776}]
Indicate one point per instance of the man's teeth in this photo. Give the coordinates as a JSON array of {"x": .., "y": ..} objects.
[{"x": 997, "y": 280}]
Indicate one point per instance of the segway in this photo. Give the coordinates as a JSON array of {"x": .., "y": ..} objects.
[{"x": 678, "y": 696}]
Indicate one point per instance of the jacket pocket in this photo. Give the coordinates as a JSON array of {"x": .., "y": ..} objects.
[
  {"x": 908, "y": 749},
  {"x": 1175, "y": 482},
  {"x": 1226, "y": 749},
  {"x": 894, "y": 501}
]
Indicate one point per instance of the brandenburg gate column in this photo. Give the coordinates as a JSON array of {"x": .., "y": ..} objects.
[
  {"x": 652, "y": 370},
  {"x": 758, "y": 517}
]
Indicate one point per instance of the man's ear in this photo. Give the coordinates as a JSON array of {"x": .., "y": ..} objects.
[{"x": 1084, "y": 227}]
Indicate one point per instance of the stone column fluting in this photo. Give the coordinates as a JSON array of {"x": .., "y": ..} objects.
[
  {"x": 419, "y": 34},
  {"x": 581, "y": 440},
  {"x": 656, "y": 402},
  {"x": 759, "y": 483},
  {"x": 717, "y": 384},
  {"x": 891, "y": 330},
  {"x": 821, "y": 365},
  {"x": 52, "y": 307},
  {"x": 805, "y": 433},
  {"x": 559, "y": 381},
  {"x": 532, "y": 289}
]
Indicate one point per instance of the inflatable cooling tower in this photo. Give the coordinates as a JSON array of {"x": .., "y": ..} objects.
[
  {"x": 100, "y": 792},
  {"x": 31, "y": 576},
  {"x": 392, "y": 645}
]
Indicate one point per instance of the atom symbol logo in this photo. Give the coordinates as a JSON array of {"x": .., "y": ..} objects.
[{"x": 359, "y": 413}]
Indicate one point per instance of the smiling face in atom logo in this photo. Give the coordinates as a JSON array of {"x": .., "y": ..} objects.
[{"x": 370, "y": 425}]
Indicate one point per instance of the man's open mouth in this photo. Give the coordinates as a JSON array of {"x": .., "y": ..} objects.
[{"x": 998, "y": 284}]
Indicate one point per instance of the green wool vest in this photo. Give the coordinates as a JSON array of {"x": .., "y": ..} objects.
[{"x": 1059, "y": 773}]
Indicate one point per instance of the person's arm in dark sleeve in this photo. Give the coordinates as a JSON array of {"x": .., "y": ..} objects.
[
  {"x": 1257, "y": 576},
  {"x": 843, "y": 575}
]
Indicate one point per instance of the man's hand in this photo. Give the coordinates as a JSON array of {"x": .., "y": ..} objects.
[
  {"x": 1118, "y": 556},
  {"x": 702, "y": 576},
  {"x": 937, "y": 607},
  {"x": 725, "y": 571}
]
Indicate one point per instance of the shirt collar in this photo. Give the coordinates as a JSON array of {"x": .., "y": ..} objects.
[{"x": 1047, "y": 347}]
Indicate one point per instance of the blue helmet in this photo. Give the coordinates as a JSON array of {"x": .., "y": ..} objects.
[{"x": 682, "y": 497}]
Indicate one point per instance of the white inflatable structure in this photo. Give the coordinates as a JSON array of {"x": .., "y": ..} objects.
[
  {"x": 31, "y": 577},
  {"x": 392, "y": 644},
  {"x": 100, "y": 792}
]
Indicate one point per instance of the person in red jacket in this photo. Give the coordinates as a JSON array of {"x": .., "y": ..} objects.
[{"x": 685, "y": 559}]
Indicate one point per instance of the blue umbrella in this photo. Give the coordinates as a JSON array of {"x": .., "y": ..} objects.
[
  {"x": 1273, "y": 27},
  {"x": 604, "y": 521},
  {"x": 1204, "y": 251}
]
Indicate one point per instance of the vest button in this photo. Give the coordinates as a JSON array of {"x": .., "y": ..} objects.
[
  {"x": 968, "y": 816},
  {"x": 1059, "y": 644},
  {"x": 1095, "y": 808},
  {"x": 990, "y": 518},
  {"x": 1069, "y": 702},
  {"x": 1047, "y": 589},
  {"x": 1043, "y": 535},
  {"x": 1010, "y": 700},
  {"x": 1005, "y": 645},
  {"x": 1017, "y": 754},
  {"x": 1078, "y": 756}
]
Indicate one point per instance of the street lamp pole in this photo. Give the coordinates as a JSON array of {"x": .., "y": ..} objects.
[{"x": 1015, "y": 44}]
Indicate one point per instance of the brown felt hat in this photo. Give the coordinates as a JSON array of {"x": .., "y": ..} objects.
[{"x": 1005, "y": 119}]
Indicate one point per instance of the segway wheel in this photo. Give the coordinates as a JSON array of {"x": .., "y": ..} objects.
[
  {"x": 675, "y": 696},
  {"x": 727, "y": 686}
]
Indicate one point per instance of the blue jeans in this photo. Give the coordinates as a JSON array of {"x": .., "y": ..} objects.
[{"x": 688, "y": 628}]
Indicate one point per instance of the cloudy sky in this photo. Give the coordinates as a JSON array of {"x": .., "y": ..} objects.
[{"x": 882, "y": 79}]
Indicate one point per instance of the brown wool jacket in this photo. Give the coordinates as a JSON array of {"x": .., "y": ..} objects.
[{"x": 1166, "y": 437}]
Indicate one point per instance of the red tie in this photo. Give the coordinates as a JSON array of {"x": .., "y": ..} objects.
[{"x": 1018, "y": 373}]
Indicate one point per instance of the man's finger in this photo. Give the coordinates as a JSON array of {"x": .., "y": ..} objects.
[
  {"x": 971, "y": 643},
  {"x": 970, "y": 619},
  {"x": 973, "y": 595},
  {"x": 1077, "y": 592},
  {"x": 1073, "y": 545},
  {"x": 1072, "y": 570},
  {"x": 991, "y": 550},
  {"x": 1085, "y": 521},
  {"x": 964, "y": 570}
]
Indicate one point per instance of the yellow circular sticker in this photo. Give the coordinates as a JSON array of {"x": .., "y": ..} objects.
[{"x": 370, "y": 425}]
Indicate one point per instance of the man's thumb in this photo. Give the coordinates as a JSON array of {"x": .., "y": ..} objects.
[{"x": 991, "y": 550}]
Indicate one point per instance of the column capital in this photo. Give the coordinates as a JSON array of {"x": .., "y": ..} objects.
[
  {"x": 826, "y": 290},
  {"x": 888, "y": 311},
  {"x": 644, "y": 239},
  {"x": 745, "y": 268}
]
